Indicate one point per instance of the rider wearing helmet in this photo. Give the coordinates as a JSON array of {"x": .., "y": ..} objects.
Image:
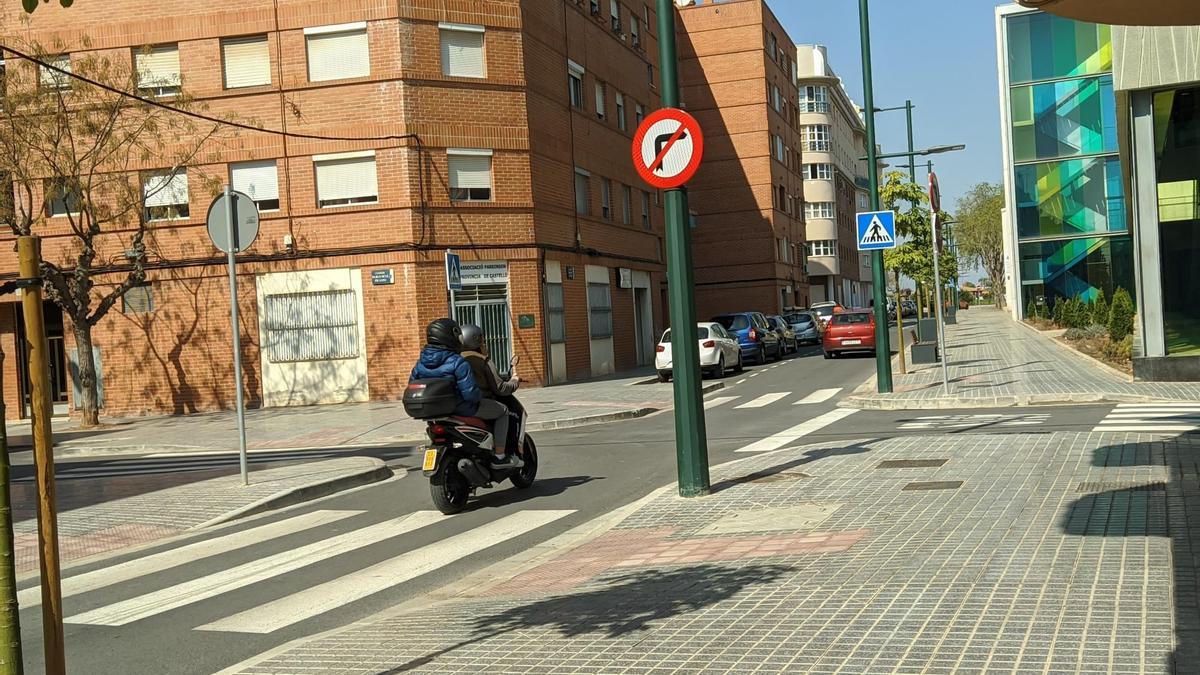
[{"x": 489, "y": 380}]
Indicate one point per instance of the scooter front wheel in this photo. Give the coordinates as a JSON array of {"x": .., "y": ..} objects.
[
  {"x": 449, "y": 490},
  {"x": 524, "y": 476}
]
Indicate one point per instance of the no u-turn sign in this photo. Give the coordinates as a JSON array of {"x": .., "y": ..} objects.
[{"x": 667, "y": 148}]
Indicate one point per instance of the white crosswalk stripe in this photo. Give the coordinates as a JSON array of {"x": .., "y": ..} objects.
[
  {"x": 718, "y": 401},
  {"x": 304, "y": 605},
  {"x": 1164, "y": 418},
  {"x": 764, "y": 400},
  {"x": 799, "y": 431},
  {"x": 818, "y": 396},
  {"x": 980, "y": 421}
]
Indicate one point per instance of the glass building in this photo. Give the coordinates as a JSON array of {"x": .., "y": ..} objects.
[{"x": 1067, "y": 229}]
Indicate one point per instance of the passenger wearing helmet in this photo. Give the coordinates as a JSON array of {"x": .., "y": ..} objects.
[{"x": 490, "y": 383}]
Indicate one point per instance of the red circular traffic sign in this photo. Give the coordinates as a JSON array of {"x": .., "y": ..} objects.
[
  {"x": 667, "y": 148},
  {"x": 935, "y": 193}
]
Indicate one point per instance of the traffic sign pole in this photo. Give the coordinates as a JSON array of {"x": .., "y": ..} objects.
[
  {"x": 234, "y": 245},
  {"x": 691, "y": 439}
]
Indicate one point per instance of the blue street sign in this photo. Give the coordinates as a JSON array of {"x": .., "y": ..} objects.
[
  {"x": 453, "y": 271},
  {"x": 876, "y": 230}
]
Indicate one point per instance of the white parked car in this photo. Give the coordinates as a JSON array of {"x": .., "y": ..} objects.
[{"x": 719, "y": 351}]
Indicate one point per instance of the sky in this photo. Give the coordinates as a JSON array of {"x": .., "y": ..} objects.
[{"x": 939, "y": 53}]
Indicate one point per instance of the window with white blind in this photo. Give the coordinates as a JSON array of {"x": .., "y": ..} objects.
[
  {"x": 316, "y": 326},
  {"x": 776, "y": 98},
  {"x": 53, "y": 79},
  {"x": 601, "y": 106},
  {"x": 621, "y": 123},
  {"x": 575, "y": 83},
  {"x": 462, "y": 50},
  {"x": 246, "y": 61},
  {"x": 158, "y": 70},
  {"x": 582, "y": 198},
  {"x": 346, "y": 179},
  {"x": 61, "y": 198},
  {"x": 337, "y": 52},
  {"x": 778, "y": 148},
  {"x": 606, "y": 198},
  {"x": 822, "y": 248},
  {"x": 639, "y": 114},
  {"x": 818, "y": 210},
  {"x": 165, "y": 195},
  {"x": 635, "y": 31},
  {"x": 818, "y": 172},
  {"x": 556, "y": 313},
  {"x": 816, "y": 137},
  {"x": 645, "y": 210},
  {"x": 614, "y": 13},
  {"x": 785, "y": 249},
  {"x": 470, "y": 174},
  {"x": 259, "y": 181},
  {"x": 626, "y": 204},
  {"x": 600, "y": 310}
]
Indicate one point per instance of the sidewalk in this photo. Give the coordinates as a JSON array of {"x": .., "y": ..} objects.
[
  {"x": 994, "y": 362},
  {"x": 352, "y": 424},
  {"x": 1063, "y": 552}
]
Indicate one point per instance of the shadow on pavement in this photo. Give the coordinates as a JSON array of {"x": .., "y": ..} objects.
[
  {"x": 626, "y": 604},
  {"x": 542, "y": 487},
  {"x": 809, "y": 457}
]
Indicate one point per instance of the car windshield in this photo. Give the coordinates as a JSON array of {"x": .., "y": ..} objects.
[
  {"x": 701, "y": 334},
  {"x": 736, "y": 322},
  {"x": 847, "y": 318}
]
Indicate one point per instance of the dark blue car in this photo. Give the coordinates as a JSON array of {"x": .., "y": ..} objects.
[{"x": 754, "y": 335}]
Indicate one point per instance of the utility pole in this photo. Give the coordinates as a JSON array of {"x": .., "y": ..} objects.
[
  {"x": 883, "y": 354},
  {"x": 691, "y": 438},
  {"x": 29, "y": 255},
  {"x": 10, "y": 615}
]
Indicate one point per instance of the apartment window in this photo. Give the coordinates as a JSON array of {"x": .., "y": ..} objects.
[
  {"x": 772, "y": 46},
  {"x": 595, "y": 7},
  {"x": 863, "y": 201},
  {"x": 787, "y": 155},
  {"x": 814, "y": 99},
  {"x": 826, "y": 248},
  {"x": 635, "y": 31},
  {"x": 621, "y": 122},
  {"x": 781, "y": 199},
  {"x": 462, "y": 50},
  {"x": 645, "y": 210},
  {"x": 614, "y": 13},
  {"x": 582, "y": 198},
  {"x": 53, "y": 79},
  {"x": 777, "y": 147},
  {"x": 601, "y": 106},
  {"x": 600, "y": 311},
  {"x": 646, "y": 16},
  {"x": 776, "y": 98},
  {"x": 818, "y": 172},
  {"x": 346, "y": 179},
  {"x": 639, "y": 114},
  {"x": 258, "y": 180},
  {"x": 556, "y": 313},
  {"x": 470, "y": 174},
  {"x": 650, "y": 74},
  {"x": 158, "y": 70},
  {"x": 246, "y": 61},
  {"x": 816, "y": 137},
  {"x": 785, "y": 250},
  {"x": 165, "y": 194},
  {"x": 606, "y": 198},
  {"x": 138, "y": 300},
  {"x": 575, "y": 83},
  {"x": 818, "y": 210},
  {"x": 62, "y": 197},
  {"x": 337, "y": 52}
]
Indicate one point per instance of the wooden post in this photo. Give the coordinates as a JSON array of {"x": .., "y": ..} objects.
[
  {"x": 900, "y": 325},
  {"x": 29, "y": 255}
]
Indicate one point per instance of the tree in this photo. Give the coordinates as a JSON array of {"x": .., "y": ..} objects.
[
  {"x": 94, "y": 167},
  {"x": 979, "y": 231},
  {"x": 914, "y": 256},
  {"x": 31, "y": 5}
]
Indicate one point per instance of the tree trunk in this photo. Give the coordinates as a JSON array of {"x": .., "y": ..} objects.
[
  {"x": 10, "y": 618},
  {"x": 89, "y": 397}
]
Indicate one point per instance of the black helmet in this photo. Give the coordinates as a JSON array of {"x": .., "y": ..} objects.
[
  {"x": 444, "y": 333},
  {"x": 472, "y": 337}
]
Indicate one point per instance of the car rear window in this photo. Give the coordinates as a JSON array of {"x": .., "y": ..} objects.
[
  {"x": 823, "y": 311},
  {"x": 800, "y": 318},
  {"x": 850, "y": 318},
  {"x": 701, "y": 334},
  {"x": 737, "y": 322}
]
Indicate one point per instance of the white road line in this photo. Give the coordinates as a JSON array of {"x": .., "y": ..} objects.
[
  {"x": 328, "y": 596},
  {"x": 179, "y": 595},
  {"x": 741, "y": 381},
  {"x": 1149, "y": 429},
  {"x": 764, "y": 400},
  {"x": 1144, "y": 415},
  {"x": 799, "y": 431},
  {"x": 1149, "y": 406},
  {"x": 818, "y": 396},
  {"x": 718, "y": 401},
  {"x": 157, "y": 562}
]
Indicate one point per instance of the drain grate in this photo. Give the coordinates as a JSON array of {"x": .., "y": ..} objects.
[
  {"x": 911, "y": 463},
  {"x": 1114, "y": 486},
  {"x": 934, "y": 485}
]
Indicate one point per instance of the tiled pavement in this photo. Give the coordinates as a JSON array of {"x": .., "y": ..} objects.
[
  {"x": 1062, "y": 552},
  {"x": 142, "y": 518},
  {"x": 995, "y": 362}
]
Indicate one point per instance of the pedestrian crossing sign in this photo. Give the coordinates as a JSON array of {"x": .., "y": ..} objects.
[{"x": 876, "y": 230}]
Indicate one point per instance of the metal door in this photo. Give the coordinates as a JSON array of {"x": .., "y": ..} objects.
[{"x": 487, "y": 307}]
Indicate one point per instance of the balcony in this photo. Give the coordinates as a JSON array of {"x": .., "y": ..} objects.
[
  {"x": 814, "y": 106},
  {"x": 818, "y": 146}
]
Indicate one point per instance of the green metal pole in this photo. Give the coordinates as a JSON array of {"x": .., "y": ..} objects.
[
  {"x": 912, "y": 157},
  {"x": 691, "y": 439},
  {"x": 883, "y": 353},
  {"x": 10, "y": 616}
]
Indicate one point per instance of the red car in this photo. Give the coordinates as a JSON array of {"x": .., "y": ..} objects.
[{"x": 852, "y": 330}]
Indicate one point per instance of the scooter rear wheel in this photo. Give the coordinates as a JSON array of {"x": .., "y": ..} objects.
[
  {"x": 449, "y": 490},
  {"x": 524, "y": 476}
]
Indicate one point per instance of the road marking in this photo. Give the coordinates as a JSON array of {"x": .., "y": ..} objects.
[
  {"x": 799, "y": 431},
  {"x": 764, "y": 400},
  {"x": 180, "y": 595},
  {"x": 1150, "y": 429},
  {"x": 328, "y": 596},
  {"x": 818, "y": 396},
  {"x": 157, "y": 562},
  {"x": 979, "y": 421},
  {"x": 741, "y": 381},
  {"x": 1152, "y": 418},
  {"x": 718, "y": 401}
]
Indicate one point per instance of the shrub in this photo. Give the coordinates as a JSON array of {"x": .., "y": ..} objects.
[
  {"x": 1120, "y": 351},
  {"x": 1096, "y": 331},
  {"x": 1076, "y": 334},
  {"x": 1100, "y": 309},
  {"x": 1120, "y": 318},
  {"x": 1056, "y": 315}
]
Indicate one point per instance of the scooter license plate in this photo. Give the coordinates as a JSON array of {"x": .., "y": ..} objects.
[{"x": 430, "y": 461}]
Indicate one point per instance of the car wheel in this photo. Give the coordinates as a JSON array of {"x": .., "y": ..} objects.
[
  {"x": 664, "y": 377},
  {"x": 719, "y": 371},
  {"x": 827, "y": 355},
  {"x": 761, "y": 358}
]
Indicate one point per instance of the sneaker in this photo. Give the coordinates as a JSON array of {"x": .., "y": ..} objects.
[{"x": 507, "y": 462}]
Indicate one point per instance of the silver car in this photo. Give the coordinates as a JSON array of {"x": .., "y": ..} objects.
[{"x": 808, "y": 330}]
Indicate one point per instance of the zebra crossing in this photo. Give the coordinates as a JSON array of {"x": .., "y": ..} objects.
[
  {"x": 167, "y": 581},
  {"x": 977, "y": 421},
  {"x": 764, "y": 400},
  {"x": 1164, "y": 418}
]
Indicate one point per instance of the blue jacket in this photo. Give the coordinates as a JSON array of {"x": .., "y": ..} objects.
[{"x": 439, "y": 363}]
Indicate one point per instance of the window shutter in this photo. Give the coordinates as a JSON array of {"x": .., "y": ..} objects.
[
  {"x": 470, "y": 171},
  {"x": 158, "y": 66},
  {"x": 462, "y": 53},
  {"x": 247, "y": 61},
  {"x": 52, "y": 78},
  {"x": 165, "y": 189},
  {"x": 337, "y": 56},
  {"x": 348, "y": 178},
  {"x": 259, "y": 180}
]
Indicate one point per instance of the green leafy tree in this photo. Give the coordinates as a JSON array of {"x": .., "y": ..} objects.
[
  {"x": 31, "y": 5},
  {"x": 979, "y": 232},
  {"x": 914, "y": 257},
  {"x": 1120, "y": 320}
]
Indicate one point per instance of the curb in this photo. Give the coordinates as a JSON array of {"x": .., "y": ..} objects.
[
  {"x": 948, "y": 403},
  {"x": 1124, "y": 377},
  {"x": 304, "y": 493},
  {"x": 587, "y": 420}
]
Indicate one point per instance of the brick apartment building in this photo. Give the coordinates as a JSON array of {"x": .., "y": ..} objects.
[
  {"x": 738, "y": 77},
  {"x": 524, "y": 111}
]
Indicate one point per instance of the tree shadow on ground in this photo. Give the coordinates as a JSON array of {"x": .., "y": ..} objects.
[
  {"x": 809, "y": 456},
  {"x": 628, "y": 603}
]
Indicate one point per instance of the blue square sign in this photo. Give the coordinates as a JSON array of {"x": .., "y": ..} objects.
[{"x": 876, "y": 230}]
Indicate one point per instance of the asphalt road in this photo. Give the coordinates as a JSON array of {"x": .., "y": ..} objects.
[{"x": 338, "y": 559}]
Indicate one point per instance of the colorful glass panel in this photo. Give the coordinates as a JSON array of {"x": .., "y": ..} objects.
[
  {"x": 1047, "y": 47},
  {"x": 1064, "y": 119},
  {"x": 1075, "y": 268},
  {"x": 1070, "y": 197}
]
